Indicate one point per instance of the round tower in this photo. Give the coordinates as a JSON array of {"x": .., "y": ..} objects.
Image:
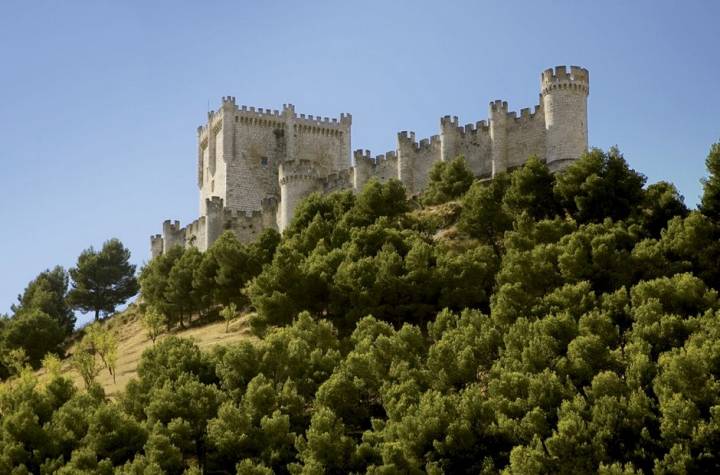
[
  {"x": 297, "y": 180},
  {"x": 564, "y": 97}
]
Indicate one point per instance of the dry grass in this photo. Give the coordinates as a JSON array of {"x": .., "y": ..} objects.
[
  {"x": 441, "y": 220},
  {"x": 133, "y": 340},
  {"x": 448, "y": 211}
]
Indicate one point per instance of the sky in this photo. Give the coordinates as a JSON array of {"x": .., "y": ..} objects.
[{"x": 100, "y": 100}]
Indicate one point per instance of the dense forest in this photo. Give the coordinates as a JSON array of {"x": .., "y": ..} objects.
[{"x": 535, "y": 323}]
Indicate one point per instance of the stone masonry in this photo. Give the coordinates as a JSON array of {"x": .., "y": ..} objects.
[{"x": 255, "y": 165}]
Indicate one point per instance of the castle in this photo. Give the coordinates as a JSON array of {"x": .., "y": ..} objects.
[{"x": 255, "y": 165}]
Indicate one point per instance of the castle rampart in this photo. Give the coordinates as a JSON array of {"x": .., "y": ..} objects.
[
  {"x": 381, "y": 167},
  {"x": 525, "y": 136},
  {"x": 472, "y": 141},
  {"x": 415, "y": 159},
  {"x": 255, "y": 165}
]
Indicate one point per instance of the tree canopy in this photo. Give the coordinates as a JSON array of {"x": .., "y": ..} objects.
[
  {"x": 556, "y": 323},
  {"x": 48, "y": 294},
  {"x": 103, "y": 279}
]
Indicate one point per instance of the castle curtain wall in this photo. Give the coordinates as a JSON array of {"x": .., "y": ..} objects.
[{"x": 255, "y": 165}]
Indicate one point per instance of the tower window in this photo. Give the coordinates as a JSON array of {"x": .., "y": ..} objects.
[
  {"x": 264, "y": 161},
  {"x": 212, "y": 186}
]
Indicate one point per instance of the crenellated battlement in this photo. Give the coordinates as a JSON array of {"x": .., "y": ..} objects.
[
  {"x": 450, "y": 125},
  {"x": 448, "y": 121},
  {"x": 390, "y": 156},
  {"x": 157, "y": 245},
  {"x": 526, "y": 114},
  {"x": 561, "y": 73},
  {"x": 196, "y": 227},
  {"x": 499, "y": 106},
  {"x": 406, "y": 138},
  {"x": 560, "y": 78},
  {"x": 214, "y": 124},
  {"x": 432, "y": 142},
  {"x": 363, "y": 157},
  {"x": 471, "y": 129},
  {"x": 256, "y": 164},
  {"x": 214, "y": 204},
  {"x": 249, "y": 111},
  {"x": 317, "y": 121},
  {"x": 294, "y": 170},
  {"x": 265, "y": 117},
  {"x": 344, "y": 120},
  {"x": 171, "y": 226},
  {"x": 382, "y": 167},
  {"x": 228, "y": 101}
]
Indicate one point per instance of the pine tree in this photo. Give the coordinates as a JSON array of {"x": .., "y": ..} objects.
[
  {"x": 710, "y": 204},
  {"x": 102, "y": 280}
]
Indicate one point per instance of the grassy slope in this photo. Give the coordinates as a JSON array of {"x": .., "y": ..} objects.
[{"x": 133, "y": 340}]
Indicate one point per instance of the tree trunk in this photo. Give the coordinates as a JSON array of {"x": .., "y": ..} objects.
[{"x": 97, "y": 314}]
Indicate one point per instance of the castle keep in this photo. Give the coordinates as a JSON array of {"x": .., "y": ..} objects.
[{"x": 255, "y": 165}]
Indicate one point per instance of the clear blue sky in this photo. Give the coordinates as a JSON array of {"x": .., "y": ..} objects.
[{"x": 100, "y": 100}]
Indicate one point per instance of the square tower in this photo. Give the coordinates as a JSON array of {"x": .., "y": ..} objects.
[{"x": 241, "y": 149}]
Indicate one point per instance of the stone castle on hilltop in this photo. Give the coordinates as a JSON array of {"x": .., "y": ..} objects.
[{"x": 255, "y": 165}]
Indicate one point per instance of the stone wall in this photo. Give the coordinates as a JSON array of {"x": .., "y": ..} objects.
[
  {"x": 326, "y": 142},
  {"x": 256, "y": 165},
  {"x": 472, "y": 141},
  {"x": 196, "y": 233},
  {"x": 525, "y": 136},
  {"x": 415, "y": 160},
  {"x": 381, "y": 167},
  {"x": 259, "y": 146}
]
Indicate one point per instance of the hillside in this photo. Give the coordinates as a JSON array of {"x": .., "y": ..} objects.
[
  {"x": 133, "y": 340},
  {"x": 536, "y": 323}
]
